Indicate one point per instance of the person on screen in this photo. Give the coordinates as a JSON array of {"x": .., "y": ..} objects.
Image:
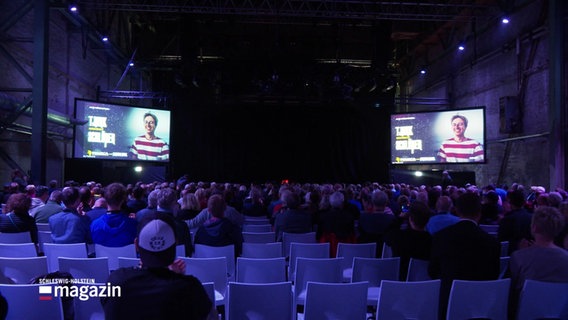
[
  {"x": 148, "y": 146},
  {"x": 460, "y": 148}
]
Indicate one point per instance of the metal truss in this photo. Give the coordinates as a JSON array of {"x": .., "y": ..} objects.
[{"x": 350, "y": 10}]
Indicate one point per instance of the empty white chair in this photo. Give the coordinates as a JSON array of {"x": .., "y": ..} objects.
[
  {"x": 18, "y": 250},
  {"x": 351, "y": 250},
  {"x": 399, "y": 300},
  {"x": 257, "y": 228},
  {"x": 306, "y": 250},
  {"x": 112, "y": 253},
  {"x": 478, "y": 299},
  {"x": 260, "y": 301},
  {"x": 91, "y": 308},
  {"x": 210, "y": 270},
  {"x": 374, "y": 270},
  {"x": 25, "y": 302},
  {"x": 124, "y": 262},
  {"x": 204, "y": 251},
  {"x": 43, "y": 237},
  {"x": 86, "y": 268},
  {"x": 262, "y": 250},
  {"x": 259, "y": 237},
  {"x": 492, "y": 229},
  {"x": 418, "y": 270},
  {"x": 287, "y": 238},
  {"x": 336, "y": 301},
  {"x": 210, "y": 290},
  {"x": 251, "y": 270},
  {"x": 543, "y": 300},
  {"x": 17, "y": 237},
  {"x": 504, "y": 248},
  {"x": 22, "y": 270},
  {"x": 315, "y": 270},
  {"x": 180, "y": 250},
  {"x": 387, "y": 251},
  {"x": 69, "y": 250}
]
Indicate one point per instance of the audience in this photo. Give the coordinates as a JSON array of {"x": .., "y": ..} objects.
[
  {"x": 115, "y": 228},
  {"x": 542, "y": 260},
  {"x": 68, "y": 226},
  {"x": 167, "y": 204},
  {"x": 51, "y": 207},
  {"x": 336, "y": 224},
  {"x": 189, "y": 207},
  {"x": 443, "y": 217},
  {"x": 17, "y": 219},
  {"x": 159, "y": 289},
  {"x": 463, "y": 250},
  {"x": 219, "y": 231},
  {"x": 516, "y": 224},
  {"x": 291, "y": 218},
  {"x": 413, "y": 242},
  {"x": 99, "y": 208},
  {"x": 39, "y": 197},
  {"x": 376, "y": 221}
]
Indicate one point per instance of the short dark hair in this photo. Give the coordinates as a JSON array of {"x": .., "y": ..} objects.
[
  {"x": 516, "y": 198},
  {"x": 468, "y": 205},
  {"x": 115, "y": 194},
  {"x": 69, "y": 195},
  {"x": 148, "y": 114},
  {"x": 420, "y": 213},
  {"x": 459, "y": 116}
]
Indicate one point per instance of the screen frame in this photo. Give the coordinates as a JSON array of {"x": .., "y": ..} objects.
[
  {"x": 447, "y": 113},
  {"x": 135, "y": 109}
]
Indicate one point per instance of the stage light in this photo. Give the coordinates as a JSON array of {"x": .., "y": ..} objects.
[
  {"x": 138, "y": 169},
  {"x": 461, "y": 46},
  {"x": 73, "y": 8},
  {"x": 104, "y": 38},
  {"x": 423, "y": 70},
  {"x": 418, "y": 173},
  {"x": 131, "y": 64},
  {"x": 505, "y": 20}
]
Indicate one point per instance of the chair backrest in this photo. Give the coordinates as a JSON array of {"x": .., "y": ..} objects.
[
  {"x": 492, "y": 229},
  {"x": 375, "y": 270},
  {"x": 124, "y": 262},
  {"x": 503, "y": 266},
  {"x": 543, "y": 300},
  {"x": 204, "y": 251},
  {"x": 210, "y": 270},
  {"x": 315, "y": 270},
  {"x": 256, "y": 220},
  {"x": 210, "y": 290},
  {"x": 43, "y": 226},
  {"x": 259, "y": 237},
  {"x": 22, "y": 270},
  {"x": 180, "y": 250},
  {"x": 91, "y": 308},
  {"x": 18, "y": 250},
  {"x": 250, "y": 270},
  {"x": 69, "y": 250},
  {"x": 43, "y": 237},
  {"x": 24, "y": 303},
  {"x": 351, "y": 250},
  {"x": 86, "y": 268},
  {"x": 262, "y": 250},
  {"x": 260, "y": 301},
  {"x": 504, "y": 248},
  {"x": 112, "y": 253},
  {"x": 17, "y": 237},
  {"x": 336, "y": 301},
  {"x": 306, "y": 250},
  {"x": 257, "y": 228},
  {"x": 387, "y": 251},
  {"x": 418, "y": 270},
  {"x": 399, "y": 300},
  {"x": 287, "y": 238},
  {"x": 478, "y": 299}
]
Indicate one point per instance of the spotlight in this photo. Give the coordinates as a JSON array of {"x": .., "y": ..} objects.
[
  {"x": 138, "y": 169},
  {"x": 461, "y": 47},
  {"x": 131, "y": 64},
  {"x": 104, "y": 38},
  {"x": 505, "y": 20},
  {"x": 423, "y": 70},
  {"x": 418, "y": 173},
  {"x": 73, "y": 8}
]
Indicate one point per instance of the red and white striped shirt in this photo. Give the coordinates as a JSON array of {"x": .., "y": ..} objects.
[
  {"x": 144, "y": 149},
  {"x": 468, "y": 150}
]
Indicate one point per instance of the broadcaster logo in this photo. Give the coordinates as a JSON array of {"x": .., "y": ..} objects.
[{"x": 77, "y": 288}]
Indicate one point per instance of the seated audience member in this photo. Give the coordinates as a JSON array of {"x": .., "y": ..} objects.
[
  {"x": 414, "y": 241},
  {"x": 99, "y": 208},
  {"x": 189, "y": 207},
  {"x": 490, "y": 208},
  {"x": 136, "y": 201},
  {"x": 86, "y": 200},
  {"x": 253, "y": 205},
  {"x": 463, "y": 250},
  {"x": 516, "y": 224},
  {"x": 51, "y": 207},
  {"x": 167, "y": 204},
  {"x": 159, "y": 288},
  {"x": 443, "y": 217},
  {"x": 17, "y": 219},
  {"x": 542, "y": 260},
  {"x": 219, "y": 231},
  {"x": 68, "y": 226},
  {"x": 39, "y": 198},
  {"x": 115, "y": 228},
  {"x": 376, "y": 221},
  {"x": 291, "y": 218},
  {"x": 336, "y": 224},
  {"x": 152, "y": 205},
  {"x": 230, "y": 213}
]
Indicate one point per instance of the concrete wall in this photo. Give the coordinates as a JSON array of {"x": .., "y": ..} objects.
[{"x": 505, "y": 58}]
